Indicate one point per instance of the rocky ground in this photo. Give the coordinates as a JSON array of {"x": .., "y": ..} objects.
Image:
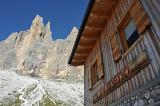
[{"x": 17, "y": 90}]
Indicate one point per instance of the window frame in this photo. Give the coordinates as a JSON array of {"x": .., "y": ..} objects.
[
  {"x": 120, "y": 29},
  {"x": 94, "y": 72}
]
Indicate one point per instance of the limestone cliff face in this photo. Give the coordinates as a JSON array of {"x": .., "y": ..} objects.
[{"x": 34, "y": 53}]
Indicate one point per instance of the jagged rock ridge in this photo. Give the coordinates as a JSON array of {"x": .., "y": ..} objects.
[{"x": 33, "y": 52}]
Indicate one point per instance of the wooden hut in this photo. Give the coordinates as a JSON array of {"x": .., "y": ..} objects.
[{"x": 119, "y": 45}]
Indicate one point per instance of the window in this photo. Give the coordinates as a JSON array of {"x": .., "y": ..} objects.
[
  {"x": 129, "y": 28},
  {"x": 128, "y": 32},
  {"x": 131, "y": 33},
  {"x": 97, "y": 71}
]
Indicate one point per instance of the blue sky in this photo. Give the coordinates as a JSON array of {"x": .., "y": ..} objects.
[{"x": 17, "y": 15}]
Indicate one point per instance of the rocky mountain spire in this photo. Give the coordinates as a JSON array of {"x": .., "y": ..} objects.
[
  {"x": 74, "y": 30},
  {"x": 48, "y": 26},
  {"x": 36, "y": 54},
  {"x": 48, "y": 29},
  {"x": 73, "y": 33},
  {"x": 38, "y": 21},
  {"x": 38, "y": 30}
]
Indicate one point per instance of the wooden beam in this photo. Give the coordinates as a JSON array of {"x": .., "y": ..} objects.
[
  {"x": 99, "y": 1},
  {"x": 88, "y": 32},
  {"x": 88, "y": 36},
  {"x": 85, "y": 43},
  {"x": 94, "y": 28},
  {"x": 97, "y": 26},
  {"x": 79, "y": 60},
  {"x": 106, "y": 1},
  {"x": 83, "y": 51},
  {"x": 85, "y": 38},
  {"x": 101, "y": 13},
  {"x": 85, "y": 47},
  {"x": 78, "y": 54},
  {"x": 80, "y": 57},
  {"x": 77, "y": 63},
  {"x": 98, "y": 15}
]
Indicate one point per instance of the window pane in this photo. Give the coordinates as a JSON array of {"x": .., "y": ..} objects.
[{"x": 129, "y": 29}]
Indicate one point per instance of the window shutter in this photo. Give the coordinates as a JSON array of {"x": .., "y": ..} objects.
[
  {"x": 115, "y": 46},
  {"x": 100, "y": 67},
  {"x": 139, "y": 16},
  {"x": 89, "y": 80}
]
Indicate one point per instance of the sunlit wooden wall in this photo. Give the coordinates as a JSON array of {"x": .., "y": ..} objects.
[{"x": 148, "y": 41}]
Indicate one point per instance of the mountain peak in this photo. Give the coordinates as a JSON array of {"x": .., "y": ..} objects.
[
  {"x": 48, "y": 29},
  {"x": 38, "y": 20},
  {"x": 73, "y": 33},
  {"x": 74, "y": 30},
  {"x": 39, "y": 30},
  {"x": 48, "y": 25}
]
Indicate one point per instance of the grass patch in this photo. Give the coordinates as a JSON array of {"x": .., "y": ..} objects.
[
  {"x": 48, "y": 102},
  {"x": 11, "y": 101},
  {"x": 17, "y": 102}
]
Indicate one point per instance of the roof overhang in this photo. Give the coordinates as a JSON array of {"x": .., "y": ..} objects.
[{"x": 94, "y": 21}]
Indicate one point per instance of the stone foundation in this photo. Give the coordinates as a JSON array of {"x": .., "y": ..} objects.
[{"x": 150, "y": 97}]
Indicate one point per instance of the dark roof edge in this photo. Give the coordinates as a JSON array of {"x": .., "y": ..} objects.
[{"x": 89, "y": 7}]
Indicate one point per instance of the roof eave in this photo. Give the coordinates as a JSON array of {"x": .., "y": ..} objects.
[{"x": 85, "y": 18}]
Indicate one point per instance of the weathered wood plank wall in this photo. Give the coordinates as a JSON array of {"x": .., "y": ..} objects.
[
  {"x": 145, "y": 42},
  {"x": 152, "y": 7}
]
